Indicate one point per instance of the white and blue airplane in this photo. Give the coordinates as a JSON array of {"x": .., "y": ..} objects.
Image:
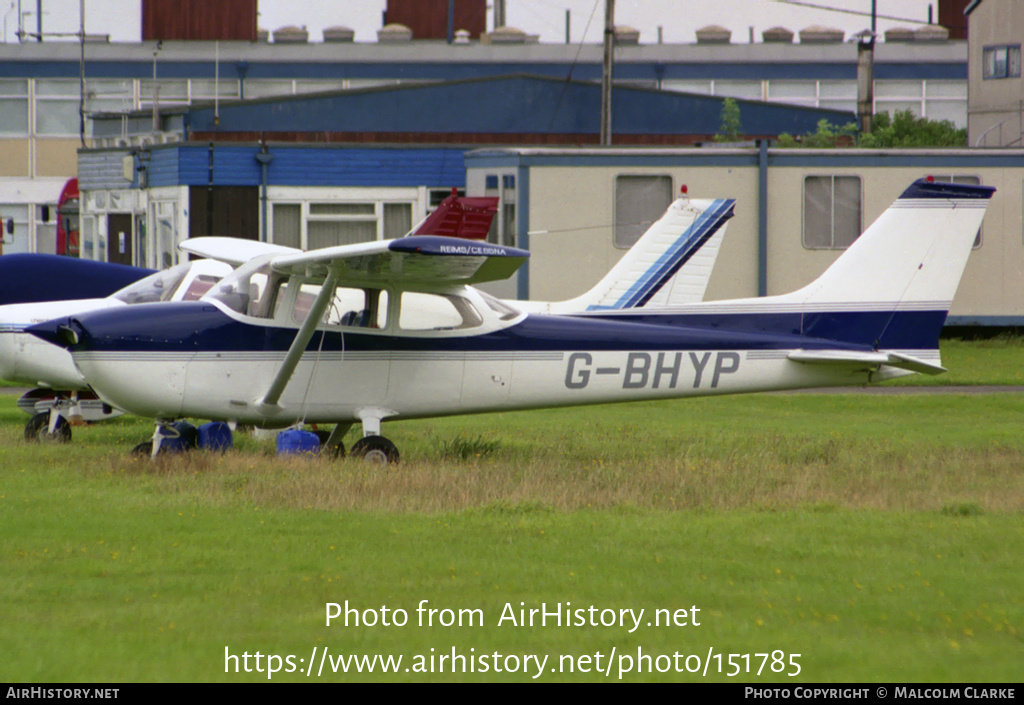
[
  {"x": 390, "y": 330},
  {"x": 671, "y": 263}
]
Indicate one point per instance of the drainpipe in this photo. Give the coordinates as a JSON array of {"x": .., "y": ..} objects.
[
  {"x": 762, "y": 217},
  {"x": 264, "y": 157}
]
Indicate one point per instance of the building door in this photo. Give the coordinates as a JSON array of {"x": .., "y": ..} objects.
[
  {"x": 227, "y": 211},
  {"x": 119, "y": 238}
]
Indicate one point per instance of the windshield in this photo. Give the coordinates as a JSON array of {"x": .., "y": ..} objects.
[{"x": 154, "y": 288}]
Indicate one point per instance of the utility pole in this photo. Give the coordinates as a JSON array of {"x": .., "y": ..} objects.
[
  {"x": 499, "y": 13},
  {"x": 81, "y": 72},
  {"x": 606, "y": 72},
  {"x": 866, "y": 74}
]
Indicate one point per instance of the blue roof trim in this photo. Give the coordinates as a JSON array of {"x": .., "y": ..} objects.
[
  {"x": 650, "y": 70},
  {"x": 188, "y": 164}
]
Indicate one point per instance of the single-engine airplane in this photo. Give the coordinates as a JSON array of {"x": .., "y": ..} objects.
[
  {"x": 671, "y": 262},
  {"x": 395, "y": 329}
]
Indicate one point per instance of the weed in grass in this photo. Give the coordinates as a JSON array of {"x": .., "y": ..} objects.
[
  {"x": 468, "y": 448},
  {"x": 962, "y": 509}
]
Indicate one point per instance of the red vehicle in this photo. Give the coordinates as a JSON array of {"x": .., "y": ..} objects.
[{"x": 67, "y": 220}]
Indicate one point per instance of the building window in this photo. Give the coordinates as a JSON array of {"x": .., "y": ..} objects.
[
  {"x": 287, "y": 225},
  {"x": 639, "y": 202},
  {"x": 326, "y": 224},
  {"x": 1001, "y": 61},
  {"x": 330, "y": 224},
  {"x": 14, "y": 107},
  {"x": 832, "y": 211},
  {"x": 57, "y": 107}
]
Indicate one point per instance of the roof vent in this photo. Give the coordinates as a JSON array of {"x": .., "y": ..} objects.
[
  {"x": 931, "y": 33},
  {"x": 713, "y": 34},
  {"x": 816, "y": 34},
  {"x": 394, "y": 34},
  {"x": 291, "y": 35},
  {"x": 338, "y": 33},
  {"x": 505, "y": 35},
  {"x": 626, "y": 36},
  {"x": 899, "y": 34},
  {"x": 777, "y": 35}
]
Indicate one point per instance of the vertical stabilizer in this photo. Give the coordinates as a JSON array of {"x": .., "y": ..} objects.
[{"x": 669, "y": 265}]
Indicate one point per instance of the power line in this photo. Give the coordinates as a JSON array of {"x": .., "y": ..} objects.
[{"x": 843, "y": 10}]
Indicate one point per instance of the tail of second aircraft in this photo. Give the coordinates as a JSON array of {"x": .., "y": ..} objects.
[
  {"x": 883, "y": 303},
  {"x": 669, "y": 265}
]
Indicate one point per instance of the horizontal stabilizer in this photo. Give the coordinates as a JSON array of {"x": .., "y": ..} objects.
[{"x": 848, "y": 358}]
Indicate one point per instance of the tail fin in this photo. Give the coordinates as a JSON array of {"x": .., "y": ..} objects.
[
  {"x": 669, "y": 265},
  {"x": 913, "y": 255},
  {"x": 893, "y": 287}
]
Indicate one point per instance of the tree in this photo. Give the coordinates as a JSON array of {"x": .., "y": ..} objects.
[
  {"x": 730, "y": 130},
  {"x": 827, "y": 136},
  {"x": 903, "y": 129}
]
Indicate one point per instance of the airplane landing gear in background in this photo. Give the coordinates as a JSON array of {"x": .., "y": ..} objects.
[{"x": 41, "y": 428}]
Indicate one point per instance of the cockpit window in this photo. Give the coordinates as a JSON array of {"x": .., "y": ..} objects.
[
  {"x": 199, "y": 286},
  {"x": 421, "y": 311},
  {"x": 154, "y": 288},
  {"x": 358, "y": 308}
]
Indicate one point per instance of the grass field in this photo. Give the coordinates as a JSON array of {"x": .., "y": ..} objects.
[{"x": 881, "y": 538}]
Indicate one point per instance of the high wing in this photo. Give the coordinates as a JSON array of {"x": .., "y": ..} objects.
[
  {"x": 232, "y": 250},
  {"x": 410, "y": 262}
]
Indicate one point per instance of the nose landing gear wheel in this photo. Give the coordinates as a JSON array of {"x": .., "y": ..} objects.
[{"x": 375, "y": 449}]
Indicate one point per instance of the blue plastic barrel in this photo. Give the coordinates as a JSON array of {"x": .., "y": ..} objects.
[
  {"x": 179, "y": 438},
  {"x": 215, "y": 436},
  {"x": 297, "y": 442}
]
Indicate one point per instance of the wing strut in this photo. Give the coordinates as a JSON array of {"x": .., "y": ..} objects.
[{"x": 269, "y": 402}]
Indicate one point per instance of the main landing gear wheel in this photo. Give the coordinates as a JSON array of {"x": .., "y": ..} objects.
[
  {"x": 38, "y": 429},
  {"x": 376, "y": 449}
]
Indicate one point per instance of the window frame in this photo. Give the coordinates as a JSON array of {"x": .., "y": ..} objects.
[
  {"x": 1010, "y": 67},
  {"x": 832, "y": 227},
  {"x": 625, "y": 235}
]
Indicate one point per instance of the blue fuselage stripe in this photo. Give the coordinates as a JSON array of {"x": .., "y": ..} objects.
[{"x": 196, "y": 327}]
